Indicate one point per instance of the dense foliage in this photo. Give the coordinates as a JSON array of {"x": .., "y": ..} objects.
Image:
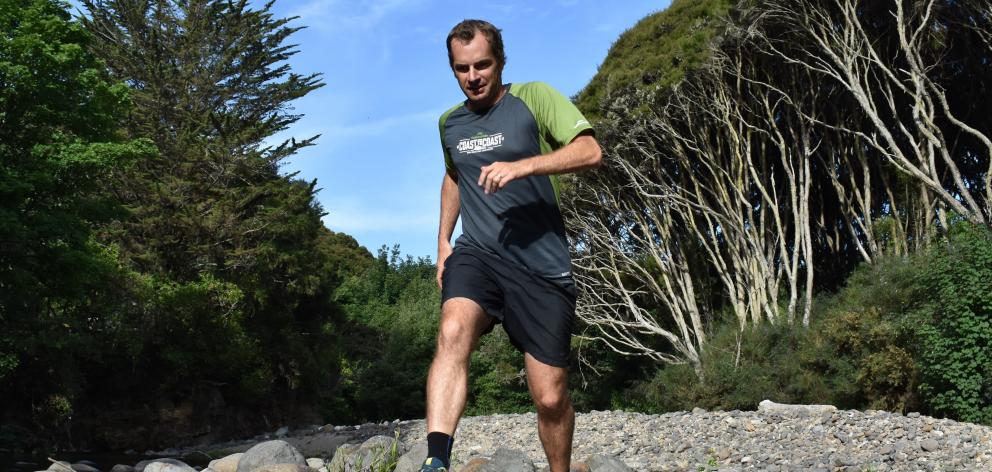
[
  {"x": 161, "y": 278},
  {"x": 58, "y": 142},
  {"x": 656, "y": 53},
  {"x": 158, "y": 274},
  {"x": 393, "y": 310},
  {"x": 905, "y": 334},
  {"x": 955, "y": 338},
  {"x": 792, "y": 154}
]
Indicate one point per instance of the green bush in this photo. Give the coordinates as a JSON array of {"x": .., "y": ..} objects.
[
  {"x": 859, "y": 357},
  {"x": 497, "y": 382},
  {"x": 393, "y": 312},
  {"x": 908, "y": 333},
  {"x": 740, "y": 369},
  {"x": 955, "y": 348}
]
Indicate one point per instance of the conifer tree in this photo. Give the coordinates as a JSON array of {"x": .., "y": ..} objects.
[{"x": 212, "y": 87}]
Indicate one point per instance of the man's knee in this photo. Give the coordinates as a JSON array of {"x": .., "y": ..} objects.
[
  {"x": 461, "y": 322},
  {"x": 553, "y": 402},
  {"x": 453, "y": 334}
]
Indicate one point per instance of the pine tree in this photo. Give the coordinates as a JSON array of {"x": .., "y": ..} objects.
[{"x": 211, "y": 86}]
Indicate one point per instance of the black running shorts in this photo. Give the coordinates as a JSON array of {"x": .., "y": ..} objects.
[{"x": 537, "y": 314}]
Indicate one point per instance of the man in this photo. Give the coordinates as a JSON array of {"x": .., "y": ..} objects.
[{"x": 502, "y": 148}]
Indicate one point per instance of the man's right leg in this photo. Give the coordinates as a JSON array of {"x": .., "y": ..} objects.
[{"x": 462, "y": 323}]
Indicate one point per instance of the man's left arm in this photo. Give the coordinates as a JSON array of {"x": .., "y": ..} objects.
[{"x": 581, "y": 153}]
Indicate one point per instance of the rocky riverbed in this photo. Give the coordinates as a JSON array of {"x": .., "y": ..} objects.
[{"x": 774, "y": 438}]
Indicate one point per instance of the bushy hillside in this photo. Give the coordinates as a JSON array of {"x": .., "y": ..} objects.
[{"x": 657, "y": 51}]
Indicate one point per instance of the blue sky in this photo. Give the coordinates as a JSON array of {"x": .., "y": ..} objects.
[{"x": 378, "y": 160}]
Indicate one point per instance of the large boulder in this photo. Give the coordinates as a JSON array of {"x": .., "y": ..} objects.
[
  {"x": 770, "y": 407},
  {"x": 168, "y": 467},
  {"x": 270, "y": 453},
  {"x": 60, "y": 466},
  {"x": 141, "y": 466},
  {"x": 412, "y": 460},
  {"x": 315, "y": 463},
  {"x": 341, "y": 455},
  {"x": 504, "y": 460},
  {"x": 376, "y": 453},
  {"x": 605, "y": 463},
  {"x": 226, "y": 463}
]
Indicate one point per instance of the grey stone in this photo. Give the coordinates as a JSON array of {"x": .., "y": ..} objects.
[
  {"x": 411, "y": 461},
  {"x": 341, "y": 455},
  {"x": 122, "y": 468},
  {"x": 60, "y": 466},
  {"x": 282, "y": 432},
  {"x": 227, "y": 463},
  {"x": 605, "y": 463},
  {"x": 270, "y": 453},
  {"x": 842, "y": 460},
  {"x": 930, "y": 445},
  {"x": 374, "y": 454},
  {"x": 315, "y": 462},
  {"x": 168, "y": 467},
  {"x": 83, "y": 467},
  {"x": 504, "y": 460},
  {"x": 140, "y": 467},
  {"x": 768, "y": 407}
]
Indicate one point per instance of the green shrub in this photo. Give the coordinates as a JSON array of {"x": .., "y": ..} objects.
[
  {"x": 497, "y": 383},
  {"x": 956, "y": 338},
  {"x": 859, "y": 356},
  {"x": 740, "y": 369},
  {"x": 908, "y": 333}
]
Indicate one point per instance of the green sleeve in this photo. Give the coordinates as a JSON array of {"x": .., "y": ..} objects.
[
  {"x": 448, "y": 163},
  {"x": 557, "y": 117}
]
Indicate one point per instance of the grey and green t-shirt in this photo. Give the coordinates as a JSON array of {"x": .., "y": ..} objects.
[{"x": 520, "y": 223}]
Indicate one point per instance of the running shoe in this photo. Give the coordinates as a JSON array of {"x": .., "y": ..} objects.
[{"x": 433, "y": 464}]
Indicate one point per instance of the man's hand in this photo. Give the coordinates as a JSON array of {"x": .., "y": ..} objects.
[
  {"x": 443, "y": 251},
  {"x": 495, "y": 176},
  {"x": 582, "y": 153}
]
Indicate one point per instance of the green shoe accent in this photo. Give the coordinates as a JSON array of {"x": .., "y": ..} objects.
[{"x": 433, "y": 464}]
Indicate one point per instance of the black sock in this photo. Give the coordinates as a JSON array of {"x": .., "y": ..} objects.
[{"x": 439, "y": 446}]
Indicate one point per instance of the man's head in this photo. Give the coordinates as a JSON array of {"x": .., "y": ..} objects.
[{"x": 475, "y": 54}]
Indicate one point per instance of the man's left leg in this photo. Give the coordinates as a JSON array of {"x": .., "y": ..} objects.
[{"x": 555, "y": 416}]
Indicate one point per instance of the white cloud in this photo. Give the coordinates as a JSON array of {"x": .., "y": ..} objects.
[
  {"x": 382, "y": 126},
  {"x": 349, "y": 15},
  {"x": 334, "y": 135}
]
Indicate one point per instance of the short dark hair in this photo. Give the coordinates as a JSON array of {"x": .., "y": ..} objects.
[{"x": 466, "y": 30}]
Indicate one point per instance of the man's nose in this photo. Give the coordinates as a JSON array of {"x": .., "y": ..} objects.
[{"x": 473, "y": 74}]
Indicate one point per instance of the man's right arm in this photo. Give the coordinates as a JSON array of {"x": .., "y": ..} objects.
[{"x": 450, "y": 205}]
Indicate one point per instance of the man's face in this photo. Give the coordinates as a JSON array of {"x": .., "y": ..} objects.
[{"x": 477, "y": 71}]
